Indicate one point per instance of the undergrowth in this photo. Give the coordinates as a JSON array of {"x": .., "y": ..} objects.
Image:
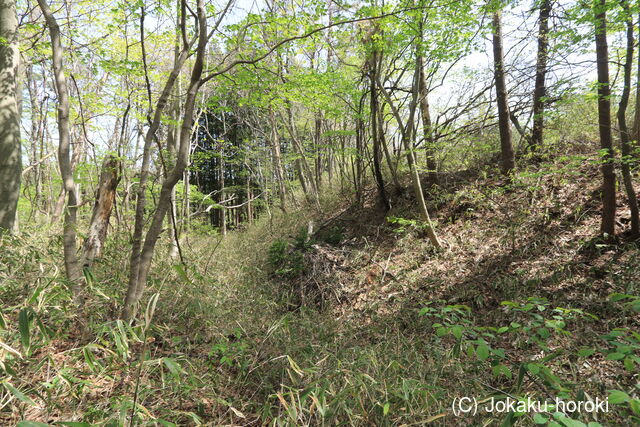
[{"x": 522, "y": 305}]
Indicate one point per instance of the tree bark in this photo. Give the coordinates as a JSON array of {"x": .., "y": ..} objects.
[
  {"x": 105, "y": 198},
  {"x": 540, "y": 90},
  {"x": 10, "y": 145},
  {"x": 506, "y": 144},
  {"x": 635, "y": 133},
  {"x": 607, "y": 226},
  {"x": 277, "y": 161},
  {"x": 72, "y": 266},
  {"x": 427, "y": 129},
  {"x": 303, "y": 169},
  {"x": 36, "y": 136},
  {"x": 627, "y": 159},
  {"x": 375, "y": 131}
]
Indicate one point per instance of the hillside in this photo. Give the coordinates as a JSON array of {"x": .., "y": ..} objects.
[{"x": 359, "y": 323}]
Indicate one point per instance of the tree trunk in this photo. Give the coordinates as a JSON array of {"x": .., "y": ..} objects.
[
  {"x": 35, "y": 136},
  {"x": 393, "y": 166},
  {"x": 303, "y": 169},
  {"x": 222, "y": 211},
  {"x": 135, "y": 260},
  {"x": 539, "y": 91},
  {"x": 318, "y": 150},
  {"x": 375, "y": 129},
  {"x": 105, "y": 198},
  {"x": 72, "y": 266},
  {"x": 10, "y": 144},
  {"x": 428, "y": 130},
  {"x": 173, "y": 136},
  {"x": 357, "y": 164},
  {"x": 277, "y": 160},
  {"x": 627, "y": 159},
  {"x": 407, "y": 135},
  {"x": 635, "y": 133},
  {"x": 138, "y": 279},
  {"x": 506, "y": 145},
  {"x": 607, "y": 226}
]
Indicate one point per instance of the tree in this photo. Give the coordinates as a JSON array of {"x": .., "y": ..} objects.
[
  {"x": 506, "y": 144},
  {"x": 372, "y": 67},
  {"x": 72, "y": 266},
  {"x": 105, "y": 198},
  {"x": 10, "y": 146},
  {"x": 607, "y": 225},
  {"x": 427, "y": 128},
  {"x": 142, "y": 253},
  {"x": 539, "y": 91},
  {"x": 407, "y": 132},
  {"x": 625, "y": 136}
]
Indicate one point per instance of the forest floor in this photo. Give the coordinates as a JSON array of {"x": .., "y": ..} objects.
[{"x": 361, "y": 323}]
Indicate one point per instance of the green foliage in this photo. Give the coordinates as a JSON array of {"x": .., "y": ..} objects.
[
  {"x": 332, "y": 235},
  {"x": 287, "y": 258},
  {"x": 402, "y": 224}
]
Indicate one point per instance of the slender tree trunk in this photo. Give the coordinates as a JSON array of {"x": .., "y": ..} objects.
[
  {"x": 36, "y": 136},
  {"x": 506, "y": 144},
  {"x": 358, "y": 165},
  {"x": 173, "y": 136},
  {"x": 390, "y": 163},
  {"x": 105, "y": 198},
  {"x": 377, "y": 149},
  {"x": 10, "y": 144},
  {"x": 249, "y": 192},
  {"x": 303, "y": 169},
  {"x": 72, "y": 266},
  {"x": 607, "y": 226},
  {"x": 428, "y": 131},
  {"x": 407, "y": 135},
  {"x": 318, "y": 150},
  {"x": 635, "y": 133},
  {"x": 540, "y": 90},
  {"x": 142, "y": 254},
  {"x": 627, "y": 159},
  {"x": 222, "y": 210},
  {"x": 277, "y": 160},
  {"x": 136, "y": 244}
]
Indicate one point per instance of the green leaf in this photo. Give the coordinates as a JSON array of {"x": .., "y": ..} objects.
[
  {"x": 456, "y": 331},
  {"x": 482, "y": 351},
  {"x": 31, "y": 424},
  {"x": 179, "y": 268},
  {"x": 566, "y": 421},
  {"x": 628, "y": 364},
  {"x": 17, "y": 393},
  {"x": 172, "y": 366},
  {"x": 533, "y": 368},
  {"x": 539, "y": 418},
  {"x": 385, "y": 409},
  {"x": 635, "y": 406},
  {"x": 617, "y": 397},
  {"x": 586, "y": 352},
  {"x": 615, "y": 356},
  {"x": 23, "y": 326},
  {"x": 72, "y": 424}
]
